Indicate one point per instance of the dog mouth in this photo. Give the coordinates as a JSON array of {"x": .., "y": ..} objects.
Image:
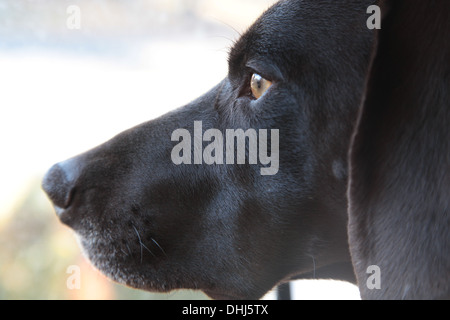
[
  {"x": 151, "y": 279},
  {"x": 67, "y": 216},
  {"x": 63, "y": 215},
  {"x": 59, "y": 211},
  {"x": 135, "y": 267}
]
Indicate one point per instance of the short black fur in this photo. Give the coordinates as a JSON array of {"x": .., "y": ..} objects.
[{"x": 233, "y": 233}]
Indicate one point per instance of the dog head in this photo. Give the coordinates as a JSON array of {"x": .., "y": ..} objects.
[{"x": 224, "y": 227}]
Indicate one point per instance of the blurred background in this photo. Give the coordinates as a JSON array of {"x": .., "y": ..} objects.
[{"x": 72, "y": 75}]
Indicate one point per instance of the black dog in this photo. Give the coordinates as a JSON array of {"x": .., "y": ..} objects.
[{"x": 306, "y": 69}]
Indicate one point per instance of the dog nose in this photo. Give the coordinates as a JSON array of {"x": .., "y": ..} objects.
[{"x": 59, "y": 184}]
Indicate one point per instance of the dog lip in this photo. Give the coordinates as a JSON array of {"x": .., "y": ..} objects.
[
  {"x": 64, "y": 216},
  {"x": 59, "y": 211}
]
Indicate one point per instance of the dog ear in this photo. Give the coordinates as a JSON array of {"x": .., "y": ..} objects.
[{"x": 399, "y": 160}]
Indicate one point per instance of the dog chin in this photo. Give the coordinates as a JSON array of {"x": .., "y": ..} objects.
[
  {"x": 115, "y": 264},
  {"x": 109, "y": 263}
]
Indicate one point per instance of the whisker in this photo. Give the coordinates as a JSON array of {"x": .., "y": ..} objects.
[
  {"x": 129, "y": 250},
  {"x": 145, "y": 247},
  {"x": 142, "y": 245},
  {"x": 140, "y": 242},
  {"x": 239, "y": 34},
  {"x": 159, "y": 246}
]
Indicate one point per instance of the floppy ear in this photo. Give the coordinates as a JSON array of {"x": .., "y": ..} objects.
[{"x": 399, "y": 188}]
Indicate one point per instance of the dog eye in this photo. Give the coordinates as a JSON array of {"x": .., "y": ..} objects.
[{"x": 259, "y": 85}]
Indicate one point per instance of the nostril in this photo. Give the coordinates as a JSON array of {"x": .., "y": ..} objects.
[{"x": 58, "y": 187}]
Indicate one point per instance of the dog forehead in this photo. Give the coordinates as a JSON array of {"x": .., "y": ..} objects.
[
  {"x": 270, "y": 37},
  {"x": 276, "y": 27},
  {"x": 305, "y": 34},
  {"x": 291, "y": 27}
]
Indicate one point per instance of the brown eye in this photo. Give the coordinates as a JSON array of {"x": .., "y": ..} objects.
[{"x": 259, "y": 85}]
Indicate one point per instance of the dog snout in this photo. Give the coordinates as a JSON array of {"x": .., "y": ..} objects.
[{"x": 59, "y": 184}]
